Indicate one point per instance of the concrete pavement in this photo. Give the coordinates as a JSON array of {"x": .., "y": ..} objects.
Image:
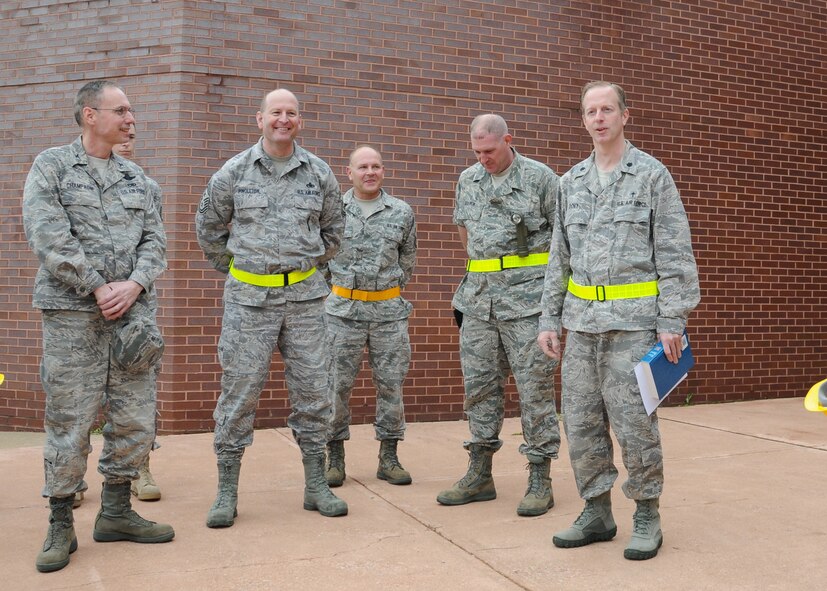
[{"x": 743, "y": 508}]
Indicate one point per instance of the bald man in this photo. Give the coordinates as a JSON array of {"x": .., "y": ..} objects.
[
  {"x": 267, "y": 220},
  {"x": 505, "y": 212},
  {"x": 366, "y": 309}
]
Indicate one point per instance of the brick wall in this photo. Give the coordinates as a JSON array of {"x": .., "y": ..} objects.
[{"x": 729, "y": 95}]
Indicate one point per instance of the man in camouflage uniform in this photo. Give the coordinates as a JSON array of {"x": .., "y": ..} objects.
[
  {"x": 376, "y": 260},
  {"x": 505, "y": 212},
  {"x": 268, "y": 219},
  {"x": 144, "y": 488},
  {"x": 90, "y": 218},
  {"x": 621, "y": 277}
]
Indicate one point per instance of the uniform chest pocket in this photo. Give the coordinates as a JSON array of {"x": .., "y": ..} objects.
[
  {"x": 469, "y": 210},
  {"x": 576, "y": 217},
  {"x": 391, "y": 232},
  {"x": 250, "y": 200},
  {"x": 250, "y": 208},
  {"x": 632, "y": 228},
  {"x": 134, "y": 201},
  {"x": 70, "y": 199}
]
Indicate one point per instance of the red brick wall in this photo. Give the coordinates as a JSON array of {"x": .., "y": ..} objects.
[{"x": 730, "y": 95}]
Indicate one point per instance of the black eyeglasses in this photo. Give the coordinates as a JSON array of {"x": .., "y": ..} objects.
[{"x": 120, "y": 111}]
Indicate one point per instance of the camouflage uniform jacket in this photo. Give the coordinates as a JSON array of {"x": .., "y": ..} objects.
[
  {"x": 88, "y": 231},
  {"x": 270, "y": 224},
  {"x": 635, "y": 230},
  {"x": 488, "y": 216},
  {"x": 377, "y": 253}
]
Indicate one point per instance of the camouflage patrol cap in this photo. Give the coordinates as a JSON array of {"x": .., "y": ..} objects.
[{"x": 137, "y": 344}]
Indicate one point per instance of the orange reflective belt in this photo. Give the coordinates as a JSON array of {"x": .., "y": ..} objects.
[
  {"x": 602, "y": 293},
  {"x": 277, "y": 280},
  {"x": 367, "y": 296}
]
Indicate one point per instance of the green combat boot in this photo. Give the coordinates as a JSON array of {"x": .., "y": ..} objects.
[
  {"x": 225, "y": 508},
  {"x": 60, "y": 539},
  {"x": 595, "y": 524},
  {"x": 117, "y": 521},
  {"x": 647, "y": 537},
  {"x": 145, "y": 488},
  {"x": 477, "y": 484},
  {"x": 335, "y": 473},
  {"x": 389, "y": 467},
  {"x": 317, "y": 495},
  {"x": 539, "y": 497}
]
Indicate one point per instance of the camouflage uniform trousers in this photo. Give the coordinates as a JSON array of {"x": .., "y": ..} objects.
[
  {"x": 487, "y": 349},
  {"x": 249, "y": 336},
  {"x": 389, "y": 354},
  {"x": 79, "y": 375},
  {"x": 600, "y": 393}
]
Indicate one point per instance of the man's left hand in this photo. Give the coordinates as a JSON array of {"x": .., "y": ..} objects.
[{"x": 116, "y": 298}]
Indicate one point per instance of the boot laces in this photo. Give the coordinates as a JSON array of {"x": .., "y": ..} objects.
[
  {"x": 137, "y": 519},
  {"x": 536, "y": 486},
  {"x": 642, "y": 519},
  {"x": 588, "y": 514},
  {"x": 335, "y": 456},
  {"x": 55, "y": 536},
  {"x": 146, "y": 476}
]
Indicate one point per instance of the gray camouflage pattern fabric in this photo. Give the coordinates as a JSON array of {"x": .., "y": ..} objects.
[
  {"x": 87, "y": 231},
  {"x": 487, "y": 351},
  {"x": 272, "y": 223},
  {"x": 634, "y": 230},
  {"x": 600, "y": 395},
  {"x": 79, "y": 376},
  {"x": 389, "y": 355},
  {"x": 377, "y": 253},
  {"x": 249, "y": 337},
  {"x": 487, "y": 214},
  {"x": 501, "y": 309}
]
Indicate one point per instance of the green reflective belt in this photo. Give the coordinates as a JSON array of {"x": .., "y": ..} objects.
[
  {"x": 602, "y": 293},
  {"x": 277, "y": 280},
  {"x": 511, "y": 261}
]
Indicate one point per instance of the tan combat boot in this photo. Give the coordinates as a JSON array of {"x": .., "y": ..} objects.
[
  {"x": 225, "y": 508},
  {"x": 145, "y": 488},
  {"x": 335, "y": 473},
  {"x": 116, "y": 521},
  {"x": 389, "y": 467},
  {"x": 477, "y": 484},
  {"x": 61, "y": 540},
  {"x": 539, "y": 497},
  {"x": 317, "y": 494}
]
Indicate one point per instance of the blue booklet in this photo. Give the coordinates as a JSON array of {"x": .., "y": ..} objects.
[{"x": 657, "y": 376}]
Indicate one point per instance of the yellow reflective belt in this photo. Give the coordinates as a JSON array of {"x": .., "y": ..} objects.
[
  {"x": 279, "y": 280},
  {"x": 366, "y": 296},
  {"x": 511, "y": 261},
  {"x": 601, "y": 293}
]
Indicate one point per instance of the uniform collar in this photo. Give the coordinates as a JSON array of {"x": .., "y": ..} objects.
[
  {"x": 349, "y": 198},
  {"x": 259, "y": 155},
  {"x": 125, "y": 168},
  {"x": 480, "y": 172},
  {"x": 629, "y": 163}
]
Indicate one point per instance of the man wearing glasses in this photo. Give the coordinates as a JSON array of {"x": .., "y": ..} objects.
[{"x": 91, "y": 220}]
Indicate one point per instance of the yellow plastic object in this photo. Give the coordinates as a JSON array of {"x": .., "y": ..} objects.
[
  {"x": 816, "y": 399},
  {"x": 2, "y": 378}
]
